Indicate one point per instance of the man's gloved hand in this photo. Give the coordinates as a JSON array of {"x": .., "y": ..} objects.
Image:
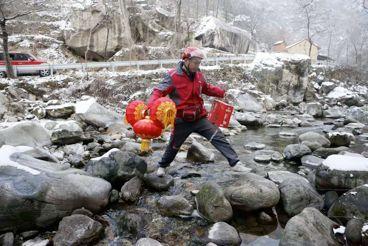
[
  {"x": 228, "y": 96},
  {"x": 223, "y": 85}
]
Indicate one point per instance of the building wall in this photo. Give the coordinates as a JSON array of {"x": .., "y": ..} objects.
[{"x": 303, "y": 48}]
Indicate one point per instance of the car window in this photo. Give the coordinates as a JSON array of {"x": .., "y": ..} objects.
[
  {"x": 1, "y": 56},
  {"x": 20, "y": 57},
  {"x": 12, "y": 56}
]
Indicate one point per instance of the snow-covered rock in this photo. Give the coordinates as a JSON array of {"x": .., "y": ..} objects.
[
  {"x": 28, "y": 133},
  {"x": 342, "y": 172},
  {"x": 43, "y": 191},
  {"x": 222, "y": 233},
  {"x": 86, "y": 29},
  {"x": 215, "y": 33},
  {"x": 95, "y": 114},
  {"x": 352, "y": 204},
  {"x": 310, "y": 227},
  {"x": 283, "y": 76},
  {"x": 252, "y": 192}
]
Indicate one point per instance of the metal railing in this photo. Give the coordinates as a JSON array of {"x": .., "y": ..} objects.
[{"x": 113, "y": 65}]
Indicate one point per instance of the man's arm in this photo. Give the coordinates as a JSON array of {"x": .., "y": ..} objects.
[
  {"x": 164, "y": 88},
  {"x": 211, "y": 90}
]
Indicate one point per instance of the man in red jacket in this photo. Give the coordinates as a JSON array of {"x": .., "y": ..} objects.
[{"x": 185, "y": 84}]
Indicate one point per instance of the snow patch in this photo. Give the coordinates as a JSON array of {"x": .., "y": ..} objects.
[
  {"x": 5, "y": 154},
  {"x": 365, "y": 228},
  {"x": 340, "y": 230},
  {"x": 83, "y": 106},
  {"x": 346, "y": 163},
  {"x": 340, "y": 92},
  {"x": 105, "y": 155},
  {"x": 213, "y": 230}
]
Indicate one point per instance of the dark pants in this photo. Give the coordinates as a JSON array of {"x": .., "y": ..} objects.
[{"x": 206, "y": 129}]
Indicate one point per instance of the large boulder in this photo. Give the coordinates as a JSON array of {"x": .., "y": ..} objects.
[
  {"x": 314, "y": 140},
  {"x": 327, "y": 87},
  {"x": 334, "y": 112},
  {"x": 283, "y": 76},
  {"x": 252, "y": 192},
  {"x": 117, "y": 167},
  {"x": 352, "y": 204},
  {"x": 199, "y": 153},
  {"x": 212, "y": 204},
  {"x": 97, "y": 31},
  {"x": 297, "y": 194},
  {"x": 152, "y": 181},
  {"x": 3, "y": 104},
  {"x": 250, "y": 119},
  {"x": 310, "y": 227},
  {"x": 344, "y": 95},
  {"x": 340, "y": 138},
  {"x": 78, "y": 229},
  {"x": 222, "y": 233},
  {"x": 280, "y": 176},
  {"x": 267, "y": 156},
  {"x": 245, "y": 101},
  {"x": 25, "y": 133},
  {"x": 342, "y": 172},
  {"x": 358, "y": 113},
  {"x": 60, "y": 111},
  {"x": 314, "y": 109},
  {"x": 296, "y": 151},
  {"x": 65, "y": 132},
  {"x": 33, "y": 184},
  {"x": 131, "y": 190},
  {"x": 325, "y": 152},
  {"x": 147, "y": 242},
  {"x": 174, "y": 206},
  {"x": 217, "y": 34},
  {"x": 93, "y": 113}
]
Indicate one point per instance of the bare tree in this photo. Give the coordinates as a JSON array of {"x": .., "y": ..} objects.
[
  {"x": 9, "y": 11},
  {"x": 178, "y": 16},
  {"x": 311, "y": 17}
]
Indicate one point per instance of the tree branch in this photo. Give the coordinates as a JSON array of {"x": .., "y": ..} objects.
[{"x": 19, "y": 15}]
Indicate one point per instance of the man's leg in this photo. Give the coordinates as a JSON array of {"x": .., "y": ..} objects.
[
  {"x": 208, "y": 130},
  {"x": 180, "y": 133}
]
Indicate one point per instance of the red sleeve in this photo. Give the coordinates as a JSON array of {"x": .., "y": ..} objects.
[
  {"x": 164, "y": 88},
  {"x": 211, "y": 90}
]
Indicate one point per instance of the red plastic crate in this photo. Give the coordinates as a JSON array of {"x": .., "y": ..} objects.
[{"x": 220, "y": 113}]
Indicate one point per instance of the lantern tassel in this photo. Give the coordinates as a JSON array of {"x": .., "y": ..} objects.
[
  {"x": 169, "y": 117},
  {"x": 145, "y": 145}
]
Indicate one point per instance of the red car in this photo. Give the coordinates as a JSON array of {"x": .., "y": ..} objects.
[{"x": 23, "y": 59}]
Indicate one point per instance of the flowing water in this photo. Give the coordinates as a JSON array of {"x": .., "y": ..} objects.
[{"x": 190, "y": 231}]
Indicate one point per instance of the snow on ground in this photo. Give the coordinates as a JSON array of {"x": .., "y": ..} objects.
[
  {"x": 82, "y": 107},
  {"x": 267, "y": 60},
  {"x": 340, "y": 230},
  {"x": 365, "y": 228},
  {"x": 210, "y": 23},
  {"x": 105, "y": 155},
  {"x": 340, "y": 92},
  {"x": 5, "y": 154},
  {"x": 346, "y": 163}
]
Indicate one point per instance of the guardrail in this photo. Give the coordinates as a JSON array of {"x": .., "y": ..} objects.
[{"x": 113, "y": 65}]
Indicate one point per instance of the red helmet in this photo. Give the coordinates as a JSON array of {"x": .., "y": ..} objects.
[{"x": 191, "y": 52}]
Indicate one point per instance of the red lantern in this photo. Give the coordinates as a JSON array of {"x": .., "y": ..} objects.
[
  {"x": 135, "y": 111},
  {"x": 146, "y": 129},
  {"x": 163, "y": 112}
]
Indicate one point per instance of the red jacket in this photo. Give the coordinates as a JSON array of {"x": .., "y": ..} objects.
[{"x": 183, "y": 91}]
